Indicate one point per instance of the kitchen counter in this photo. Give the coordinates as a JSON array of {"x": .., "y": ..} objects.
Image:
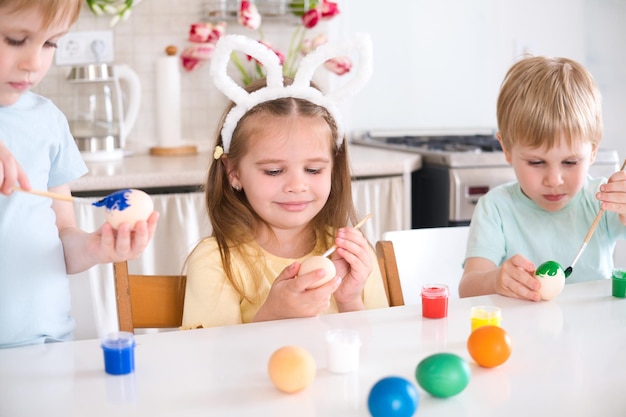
[{"x": 163, "y": 172}]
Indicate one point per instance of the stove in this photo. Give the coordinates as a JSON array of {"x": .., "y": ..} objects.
[{"x": 458, "y": 167}]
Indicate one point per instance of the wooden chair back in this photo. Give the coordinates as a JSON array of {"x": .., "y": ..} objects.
[
  {"x": 389, "y": 271},
  {"x": 148, "y": 301}
]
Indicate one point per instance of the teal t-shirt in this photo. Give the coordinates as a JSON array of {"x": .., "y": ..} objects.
[
  {"x": 34, "y": 288},
  {"x": 506, "y": 222}
]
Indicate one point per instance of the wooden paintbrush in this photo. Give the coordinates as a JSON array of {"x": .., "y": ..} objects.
[
  {"x": 569, "y": 269},
  {"x": 356, "y": 226},
  {"x": 54, "y": 196}
]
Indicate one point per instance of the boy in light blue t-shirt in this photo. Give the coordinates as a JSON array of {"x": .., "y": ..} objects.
[
  {"x": 550, "y": 127},
  {"x": 39, "y": 240}
]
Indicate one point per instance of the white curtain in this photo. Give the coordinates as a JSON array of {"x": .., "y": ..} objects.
[{"x": 183, "y": 222}]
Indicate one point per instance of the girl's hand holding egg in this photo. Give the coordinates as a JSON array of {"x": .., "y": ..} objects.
[{"x": 318, "y": 262}]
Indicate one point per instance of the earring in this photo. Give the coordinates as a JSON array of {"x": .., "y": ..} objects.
[{"x": 237, "y": 187}]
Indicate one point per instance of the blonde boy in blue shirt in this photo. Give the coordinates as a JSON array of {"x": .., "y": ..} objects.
[
  {"x": 39, "y": 240},
  {"x": 550, "y": 127}
]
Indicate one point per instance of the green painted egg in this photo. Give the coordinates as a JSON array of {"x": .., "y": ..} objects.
[
  {"x": 443, "y": 374},
  {"x": 552, "y": 278}
]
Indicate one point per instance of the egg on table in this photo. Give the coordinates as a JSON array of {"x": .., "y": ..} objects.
[
  {"x": 318, "y": 262},
  {"x": 291, "y": 369},
  {"x": 393, "y": 396},
  {"x": 552, "y": 278},
  {"x": 126, "y": 206},
  {"x": 443, "y": 375}
]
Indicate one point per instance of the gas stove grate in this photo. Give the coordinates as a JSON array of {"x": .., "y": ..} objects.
[{"x": 459, "y": 143}]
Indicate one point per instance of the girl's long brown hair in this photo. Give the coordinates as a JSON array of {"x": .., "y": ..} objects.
[{"x": 232, "y": 217}]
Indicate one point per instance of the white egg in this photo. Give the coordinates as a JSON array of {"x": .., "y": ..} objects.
[
  {"x": 126, "y": 206},
  {"x": 551, "y": 285},
  {"x": 318, "y": 262}
]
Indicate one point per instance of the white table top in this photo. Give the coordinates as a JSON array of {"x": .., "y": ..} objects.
[
  {"x": 567, "y": 360},
  {"x": 147, "y": 171}
]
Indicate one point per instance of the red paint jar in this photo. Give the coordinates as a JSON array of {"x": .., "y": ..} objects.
[{"x": 435, "y": 301}]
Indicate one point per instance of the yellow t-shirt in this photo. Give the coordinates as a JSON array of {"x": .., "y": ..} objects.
[{"x": 211, "y": 300}]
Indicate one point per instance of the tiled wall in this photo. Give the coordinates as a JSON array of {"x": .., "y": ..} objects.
[{"x": 152, "y": 26}]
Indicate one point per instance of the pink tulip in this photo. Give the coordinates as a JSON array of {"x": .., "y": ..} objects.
[
  {"x": 206, "y": 32},
  {"x": 249, "y": 16},
  {"x": 329, "y": 9},
  {"x": 339, "y": 65},
  {"x": 195, "y": 54},
  {"x": 311, "y": 18}
]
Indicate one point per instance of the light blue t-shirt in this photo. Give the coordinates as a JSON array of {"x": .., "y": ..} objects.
[
  {"x": 506, "y": 222},
  {"x": 34, "y": 288}
]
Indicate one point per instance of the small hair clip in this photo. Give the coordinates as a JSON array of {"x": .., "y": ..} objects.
[
  {"x": 218, "y": 152},
  {"x": 275, "y": 89}
]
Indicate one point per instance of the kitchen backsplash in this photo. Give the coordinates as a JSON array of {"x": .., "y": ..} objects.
[{"x": 152, "y": 26}]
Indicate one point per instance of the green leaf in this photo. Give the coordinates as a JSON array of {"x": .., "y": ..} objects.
[{"x": 299, "y": 7}]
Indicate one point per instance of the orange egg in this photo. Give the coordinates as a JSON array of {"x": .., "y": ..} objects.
[
  {"x": 291, "y": 369},
  {"x": 489, "y": 346}
]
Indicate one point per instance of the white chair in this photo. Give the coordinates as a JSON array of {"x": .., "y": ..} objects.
[{"x": 428, "y": 256}]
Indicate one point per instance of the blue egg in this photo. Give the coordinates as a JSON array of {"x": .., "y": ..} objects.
[
  {"x": 443, "y": 374},
  {"x": 393, "y": 397}
]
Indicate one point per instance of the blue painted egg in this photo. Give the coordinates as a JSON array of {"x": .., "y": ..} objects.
[
  {"x": 443, "y": 374},
  {"x": 126, "y": 206},
  {"x": 393, "y": 396}
]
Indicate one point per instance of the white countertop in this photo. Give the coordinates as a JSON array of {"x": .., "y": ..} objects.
[
  {"x": 146, "y": 171},
  {"x": 567, "y": 360}
]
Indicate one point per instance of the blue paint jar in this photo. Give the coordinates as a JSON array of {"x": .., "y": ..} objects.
[{"x": 119, "y": 353}]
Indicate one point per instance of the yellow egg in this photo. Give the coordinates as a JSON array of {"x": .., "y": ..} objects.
[
  {"x": 318, "y": 262},
  {"x": 291, "y": 369},
  {"x": 126, "y": 206}
]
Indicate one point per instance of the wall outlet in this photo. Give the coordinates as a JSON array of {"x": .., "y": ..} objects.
[{"x": 86, "y": 47}]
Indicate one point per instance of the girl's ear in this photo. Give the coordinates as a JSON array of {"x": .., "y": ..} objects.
[{"x": 231, "y": 171}]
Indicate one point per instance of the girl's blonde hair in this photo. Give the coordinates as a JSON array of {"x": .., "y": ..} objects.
[
  {"x": 542, "y": 98},
  {"x": 52, "y": 11},
  {"x": 232, "y": 217}
]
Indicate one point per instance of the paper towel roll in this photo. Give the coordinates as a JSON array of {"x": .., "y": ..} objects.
[{"x": 168, "y": 101}]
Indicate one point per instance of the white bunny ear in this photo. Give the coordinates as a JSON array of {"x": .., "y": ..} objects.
[
  {"x": 309, "y": 64},
  {"x": 275, "y": 89},
  {"x": 221, "y": 57}
]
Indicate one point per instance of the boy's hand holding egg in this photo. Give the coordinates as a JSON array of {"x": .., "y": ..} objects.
[{"x": 126, "y": 206}]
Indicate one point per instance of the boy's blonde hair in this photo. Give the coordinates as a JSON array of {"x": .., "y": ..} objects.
[
  {"x": 52, "y": 11},
  {"x": 542, "y": 98}
]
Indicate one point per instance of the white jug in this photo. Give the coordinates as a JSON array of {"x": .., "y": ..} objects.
[{"x": 103, "y": 112}]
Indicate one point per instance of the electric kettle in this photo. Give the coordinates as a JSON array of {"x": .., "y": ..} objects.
[{"x": 103, "y": 112}]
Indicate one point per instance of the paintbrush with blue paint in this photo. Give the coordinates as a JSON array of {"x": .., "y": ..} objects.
[{"x": 56, "y": 196}]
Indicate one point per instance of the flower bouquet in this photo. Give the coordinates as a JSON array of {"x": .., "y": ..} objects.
[
  {"x": 204, "y": 37},
  {"x": 119, "y": 9}
]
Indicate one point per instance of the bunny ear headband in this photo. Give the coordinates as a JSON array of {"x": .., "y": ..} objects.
[{"x": 301, "y": 87}]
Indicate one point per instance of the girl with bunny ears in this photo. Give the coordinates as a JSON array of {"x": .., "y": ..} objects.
[{"x": 279, "y": 191}]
